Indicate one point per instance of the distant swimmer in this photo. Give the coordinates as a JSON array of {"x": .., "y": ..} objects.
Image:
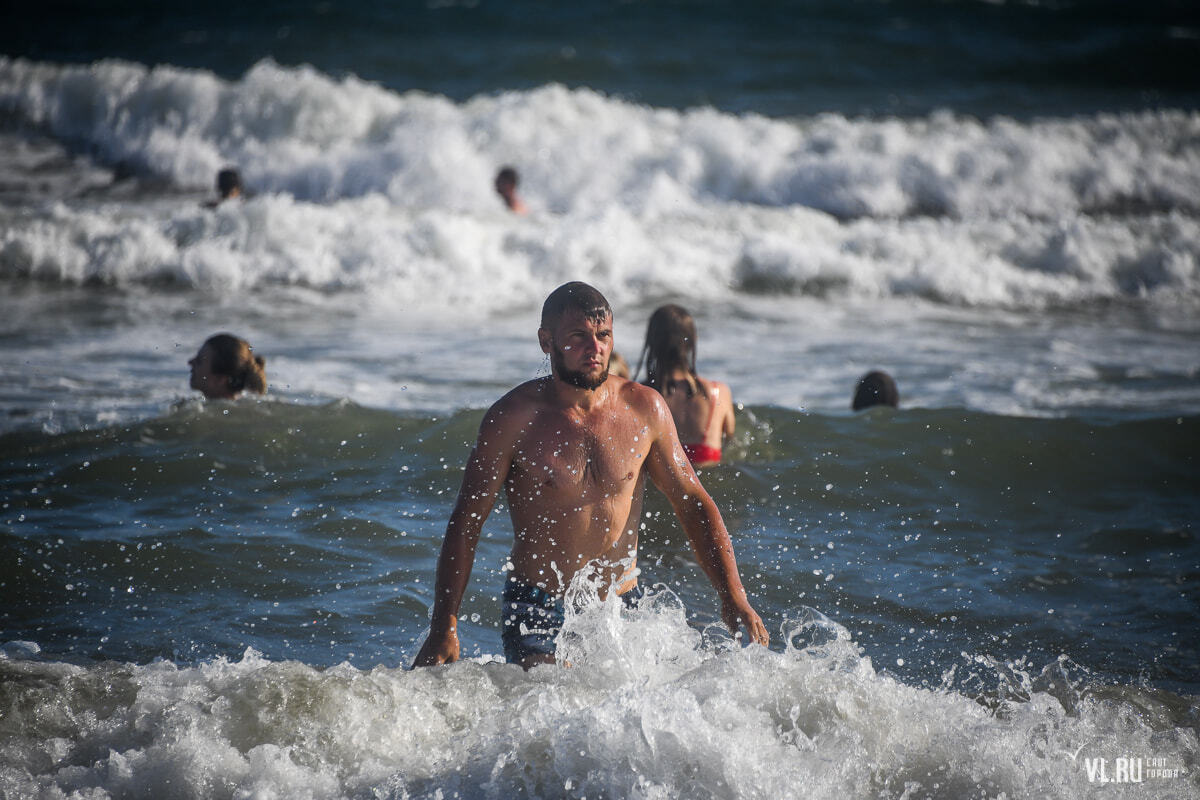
[
  {"x": 229, "y": 187},
  {"x": 225, "y": 366},
  {"x": 618, "y": 366},
  {"x": 702, "y": 409},
  {"x": 572, "y": 451},
  {"x": 875, "y": 389},
  {"x": 506, "y": 187}
]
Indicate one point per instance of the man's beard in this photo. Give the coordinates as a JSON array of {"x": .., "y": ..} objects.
[{"x": 575, "y": 377}]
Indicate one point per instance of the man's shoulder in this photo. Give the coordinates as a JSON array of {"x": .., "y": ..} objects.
[
  {"x": 633, "y": 389},
  {"x": 643, "y": 400},
  {"x": 522, "y": 399},
  {"x": 507, "y": 419},
  {"x": 523, "y": 403}
]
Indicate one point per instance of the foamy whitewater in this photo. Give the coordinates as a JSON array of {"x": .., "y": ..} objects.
[
  {"x": 645, "y": 711},
  {"x": 989, "y": 592},
  {"x": 363, "y": 188}
]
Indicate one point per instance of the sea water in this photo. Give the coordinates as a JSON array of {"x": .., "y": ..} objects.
[{"x": 988, "y": 592}]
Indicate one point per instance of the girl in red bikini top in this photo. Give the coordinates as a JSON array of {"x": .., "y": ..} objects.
[{"x": 702, "y": 409}]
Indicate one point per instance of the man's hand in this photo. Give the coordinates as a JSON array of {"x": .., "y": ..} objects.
[
  {"x": 741, "y": 615},
  {"x": 439, "y": 649}
]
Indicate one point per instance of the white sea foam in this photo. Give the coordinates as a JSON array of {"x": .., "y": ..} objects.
[
  {"x": 647, "y": 710},
  {"x": 438, "y": 258},
  {"x": 319, "y": 138},
  {"x": 366, "y": 189}
]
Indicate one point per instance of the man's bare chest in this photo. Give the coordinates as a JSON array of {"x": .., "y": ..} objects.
[{"x": 570, "y": 456}]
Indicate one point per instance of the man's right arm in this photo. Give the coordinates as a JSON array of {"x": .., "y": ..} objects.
[
  {"x": 669, "y": 469},
  {"x": 484, "y": 476}
]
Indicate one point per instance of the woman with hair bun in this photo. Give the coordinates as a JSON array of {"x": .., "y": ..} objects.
[
  {"x": 702, "y": 409},
  {"x": 225, "y": 366}
]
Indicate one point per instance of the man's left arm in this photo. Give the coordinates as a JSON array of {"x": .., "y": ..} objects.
[{"x": 670, "y": 470}]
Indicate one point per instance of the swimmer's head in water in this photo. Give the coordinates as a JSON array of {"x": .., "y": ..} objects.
[
  {"x": 670, "y": 346},
  {"x": 506, "y": 180},
  {"x": 225, "y": 366},
  {"x": 875, "y": 389},
  {"x": 229, "y": 183},
  {"x": 576, "y": 331}
]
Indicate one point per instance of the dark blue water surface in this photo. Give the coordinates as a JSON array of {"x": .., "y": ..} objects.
[
  {"x": 312, "y": 533},
  {"x": 781, "y": 58}
]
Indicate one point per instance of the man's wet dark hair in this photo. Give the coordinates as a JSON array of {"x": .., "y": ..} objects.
[
  {"x": 875, "y": 389},
  {"x": 229, "y": 180},
  {"x": 579, "y": 296}
]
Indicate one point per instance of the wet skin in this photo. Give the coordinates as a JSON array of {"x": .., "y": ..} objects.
[{"x": 571, "y": 452}]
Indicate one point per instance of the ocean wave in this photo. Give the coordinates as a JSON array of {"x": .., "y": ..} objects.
[
  {"x": 364, "y": 190},
  {"x": 437, "y": 259},
  {"x": 647, "y": 710},
  {"x": 319, "y": 138}
]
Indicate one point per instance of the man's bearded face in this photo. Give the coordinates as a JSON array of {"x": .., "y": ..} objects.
[{"x": 579, "y": 378}]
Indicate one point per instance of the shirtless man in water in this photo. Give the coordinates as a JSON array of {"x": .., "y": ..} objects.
[{"x": 572, "y": 451}]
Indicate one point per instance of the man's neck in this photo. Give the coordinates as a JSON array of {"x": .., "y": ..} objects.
[{"x": 568, "y": 395}]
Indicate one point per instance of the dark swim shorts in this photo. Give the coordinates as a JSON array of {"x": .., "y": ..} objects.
[{"x": 531, "y": 618}]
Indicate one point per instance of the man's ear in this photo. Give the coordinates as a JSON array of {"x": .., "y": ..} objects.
[{"x": 546, "y": 340}]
